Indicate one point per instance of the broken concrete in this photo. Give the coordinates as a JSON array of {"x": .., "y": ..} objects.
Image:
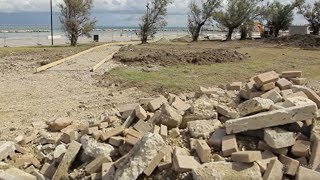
[
  {"x": 203, "y": 128},
  {"x": 255, "y": 105}
]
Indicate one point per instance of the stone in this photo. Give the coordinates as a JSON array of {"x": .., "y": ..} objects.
[
  {"x": 131, "y": 140},
  {"x": 141, "y": 113},
  {"x": 37, "y": 174},
  {"x": 155, "y": 104},
  {"x": 296, "y": 101},
  {"x": 132, "y": 132},
  {"x": 96, "y": 176},
  {"x": 298, "y": 94},
  {"x": 16, "y": 174},
  {"x": 203, "y": 151},
  {"x": 174, "y": 133},
  {"x": 283, "y": 84},
  {"x": 4, "y": 165},
  {"x": 299, "y": 81},
  {"x": 48, "y": 170},
  {"x": 108, "y": 171},
  {"x": 59, "y": 124},
  {"x": 290, "y": 165},
  {"x": 216, "y": 137},
  {"x": 127, "y": 108},
  {"x": 286, "y": 92},
  {"x": 67, "y": 160},
  {"x": 301, "y": 148},
  {"x": 116, "y": 141},
  {"x": 278, "y": 138},
  {"x": 30, "y": 138},
  {"x": 273, "y": 94},
  {"x": 167, "y": 159},
  {"x": 170, "y": 117},
  {"x": 163, "y": 131},
  {"x": 90, "y": 130},
  {"x": 96, "y": 165},
  {"x": 184, "y": 163},
  {"x": 255, "y": 105},
  {"x": 179, "y": 104},
  {"x": 227, "y": 111},
  {"x": 142, "y": 126},
  {"x": 139, "y": 157},
  {"x": 265, "y": 78},
  {"x": 113, "y": 132},
  {"x": 274, "y": 170},
  {"x": 227, "y": 170},
  {"x": 229, "y": 145},
  {"x": 156, "y": 129},
  {"x": 272, "y": 118},
  {"x": 314, "y": 161},
  {"x": 307, "y": 174},
  {"x": 203, "y": 128},
  {"x": 6, "y": 148},
  {"x": 235, "y": 86},
  {"x": 18, "y": 139},
  {"x": 267, "y": 156},
  {"x": 246, "y": 156},
  {"x": 93, "y": 148},
  {"x": 291, "y": 74},
  {"x": 268, "y": 86},
  {"x": 59, "y": 152},
  {"x": 309, "y": 92},
  {"x": 155, "y": 161},
  {"x": 103, "y": 125}
]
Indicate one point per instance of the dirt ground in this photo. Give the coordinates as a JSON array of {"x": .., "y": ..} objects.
[{"x": 67, "y": 90}]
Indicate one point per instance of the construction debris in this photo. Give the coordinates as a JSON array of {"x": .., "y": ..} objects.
[{"x": 262, "y": 129}]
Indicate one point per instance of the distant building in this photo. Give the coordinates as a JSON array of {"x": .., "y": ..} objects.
[{"x": 301, "y": 30}]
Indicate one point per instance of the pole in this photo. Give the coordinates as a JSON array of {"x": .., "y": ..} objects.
[{"x": 51, "y": 23}]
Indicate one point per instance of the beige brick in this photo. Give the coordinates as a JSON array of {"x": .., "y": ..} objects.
[
  {"x": 279, "y": 138},
  {"x": 309, "y": 92},
  {"x": 155, "y": 118},
  {"x": 48, "y": 170},
  {"x": 103, "y": 125},
  {"x": 30, "y": 138},
  {"x": 307, "y": 174},
  {"x": 67, "y": 160},
  {"x": 131, "y": 140},
  {"x": 267, "y": 94},
  {"x": 156, "y": 129},
  {"x": 108, "y": 171},
  {"x": 142, "y": 126},
  {"x": 181, "y": 151},
  {"x": 174, "y": 133},
  {"x": 274, "y": 170},
  {"x": 203, "y": 151},
  {"x": 163, "y": 131},
  {"x": 314, "y": 161},
  {"x": 265, "y": 78},
  {"x": 180, "y": 105},
  {"x": 127, "y": 107},
  {"x": 92, "y": 129},
  {"x": 21, "y": 149},
  {"x": 120, "y": 161},
  {"x": 283, "y": 84},
  {"x": 246, "y": 156},
  {"x": 285, "y": 93},
  {"x": 96, "y": 176},
  {"x": 268, "y": 86},
  {"x": 23, "y": 161},
  {"x": 229, "y": 145},
  {"x": 182, "y": 163},
  {"x": 113, "y": 132},
  {"x": 96, "y": 165},
  {"x": 155, "y": 104},
  {"x": 96, "y": 134},
  {"x": 141, "y": 113},
  {"x": 290, "y": 165},
  {"x": 116, "y": 141},
  {"x": 132, "y": 132},
  {"x": 167, "y": 160},
  {"x": 297, "y": 94},
  {"x": 291, "y": 74},
  {"x": 298, "y": 81},
  {"x": 267, "y": 156},
  {"x": 156, "y": 160},
  {"x": 301, "y": 148},
  {"x": 235, "y": 86},
  {"x": 272, "y": 118}
]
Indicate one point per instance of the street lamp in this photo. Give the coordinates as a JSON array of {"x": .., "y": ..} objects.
[{"x": 51, "y": 23}]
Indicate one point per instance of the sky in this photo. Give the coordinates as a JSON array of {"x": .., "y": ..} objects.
[{"x": 107, "y": 12}]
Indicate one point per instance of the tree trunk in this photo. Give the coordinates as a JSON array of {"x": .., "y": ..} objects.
[
  {"x": 74, "y": 40},
  {"x": 244, "y": 34},
  {"x": 196, "y": 33},
  {"x": 276, "y": 32},
  {"x": 316, "y": 29},
  {"x": 230, "y": 32},
  {"x": 144, "y": 38}
]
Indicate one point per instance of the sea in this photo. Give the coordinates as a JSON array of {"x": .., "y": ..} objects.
[{"x": 31, "y": 35}]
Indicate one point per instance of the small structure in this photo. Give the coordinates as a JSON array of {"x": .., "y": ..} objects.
[{"x": 298, "y": 29}]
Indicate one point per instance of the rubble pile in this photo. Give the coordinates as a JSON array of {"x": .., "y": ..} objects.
[{"x": 264, "y": 129}]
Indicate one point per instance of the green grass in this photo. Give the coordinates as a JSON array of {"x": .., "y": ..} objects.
[{"x": 190, "y": 77}]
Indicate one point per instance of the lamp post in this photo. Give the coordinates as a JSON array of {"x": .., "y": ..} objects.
[{"x": 51, "y": 23}]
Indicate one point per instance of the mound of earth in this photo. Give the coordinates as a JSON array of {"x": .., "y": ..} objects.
[
  {"x": 186, "y": 38},
  {"x": 167, "y": 56},
  {"x": 303, "y": 41}
]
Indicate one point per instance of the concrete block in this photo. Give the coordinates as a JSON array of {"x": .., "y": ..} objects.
[
  {"x": 108, "y": 171},
  {"x": 296, "y": 101},
  {"x": 96, "y": 165},
  {"x": 278, "y": 138},
  {"x": 67, "y": 160},
  {"x": 155, "y": 161},
  {"x": 268, "y": 86},
  {"x": 116, "y": 141},
  {"x": 132, "y": 132},
  {"x": 301, "y": 148},
  {"x": 246, "y": 156},
  {"x": 216, "y": 137},
  {"x": 179, "y": 104},
  {"x": 284, "y": 84},
  {"x": 155, "y": 104},
  {"x": 6, "y": 148},
  {"x": 163, "y": 131},
  {"x": 267, "y": 156},
  {"x": 290, "y": 165},
  {"x": 314, "y": 161},
  {"x": 254, "y": 106},
  {"x": 156, "y": 129},
  {"x": 265, "y": 78},
  {"x": 174, "y": 133},
  {"x": 272, "y": 118},
  {"x": 183, "y": 163},
  {"x": 274, "y": 170},
  {"x": 141, "y": 113},
  {"x": 229, "y": 145},
  {"x": 113, "y": 132},
  {"x": 131, "y": 140},
  {"x": 203, "y": 151},
  {"x": 298, "y": 81},
  {"x": 170, "y": 117},
  {"x": 142, "y": 126},
  {"x": 307, "y": 174},
  {"x": 264, "y": 146},
  {"x": 227, "y": 111},
  {"x": 203, "y": 128},
  {"x": 48, "y": 170},
  {"x": 235, "y": 86},
  {"x": 309, "y": 92},
  {"x": 291, "y": 74}
]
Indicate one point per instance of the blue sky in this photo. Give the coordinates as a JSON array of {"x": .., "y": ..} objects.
[{"x": 107, "y": 12}]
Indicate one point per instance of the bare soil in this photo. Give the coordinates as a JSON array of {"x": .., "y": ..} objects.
[{"x": 301, "y": 41}]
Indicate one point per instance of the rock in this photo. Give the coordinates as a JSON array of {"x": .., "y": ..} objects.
[
  {"x": 227, "y": 111},
  {"x": 180, "y": 105},
  {"x": 227, "y": 170},
  {"x": 274, "y": 170},
  {"x": 170, "y": 117},
  {"x": 296, "y": 101},
  {"x": 278, "y": 138},
  {"x": 309, "y": 92},
  {"x": 15, "y": 174},
  {"x": 254, "y": 106},
  {"x": 6, "y": 148},
  {"x": 216, "y": 137},
  {"x": 139, "y": 157},
  {"x": 59, "y": 151},
  {"x": 93, "y": 148},
  {"x": 59, "y": 124},
  {"x": 203, "y": 128}
]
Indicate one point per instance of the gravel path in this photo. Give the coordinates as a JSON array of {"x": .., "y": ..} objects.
[{"x": 65, "y": 90}]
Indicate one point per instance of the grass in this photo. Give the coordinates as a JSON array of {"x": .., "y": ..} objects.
[{"x": 190, "y": 77}]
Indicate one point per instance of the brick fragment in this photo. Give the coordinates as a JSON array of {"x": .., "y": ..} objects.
[
  {"x": 48, "y": 170},
  {"x": 291, "y": 74},
  {"x": 174, "y": 133},
  {"x": 301, "y": 148},
  {"x": 265, "y": 78},
  {"x": 103, "y": 125},
  {"x": 163, "y": 131},
  {"x": 113, "y": 132},
  {"x": 131, "y": 140},
  {"x": 132, "y": 132},
  {"x": 290, "y": 165},
  {"x": 141, "y": 113},
  {"x": 116, "y": 141},
  {"x": 314, "y": 161},
  {"x": 283, "y": 84},
  {"x": 142, "y": 126},
  {"x": 274, "y": 170},
  {"x": 268, "y": 86},
  {"x": 166, "y": 162},
  {"x": 108, "y": 171},
  {"x": 216, "y": 137},
  {"x": 183, "y": 163},
  {"x": 96, "y": 176},
  {"x": 307, "y": 174},
  {"x": 155, "y": 104},
  {"x": 96, "y": 164},
  {"x": 155, "y": 161},
  {"x": 229, "y": 145},
  {"x": 30, "y": 138},
  {"x": 246, "y": 156},
  {"x": 298, "y": 81},
  {"x": 203, "y": 151}
]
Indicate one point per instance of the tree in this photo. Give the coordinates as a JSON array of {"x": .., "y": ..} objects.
[
  {"x": 279, "y": 16},
  {"x": 199, "y": 17},
  {"x": 153, "y": 19},
  {"x": 75, "y": 19},
  {"x": 235, "y": 14},
  {"x": 311, "y": 13}
]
